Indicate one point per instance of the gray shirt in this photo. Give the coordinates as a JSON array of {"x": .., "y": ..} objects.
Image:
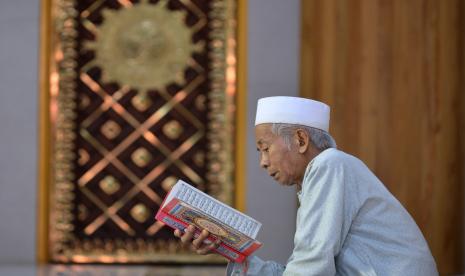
[{"x": 348, "y": 223}]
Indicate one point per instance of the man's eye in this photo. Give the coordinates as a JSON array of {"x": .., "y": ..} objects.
[{"x": 265, "y": 150}]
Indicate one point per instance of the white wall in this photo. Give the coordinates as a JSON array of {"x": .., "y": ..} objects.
[
  {"x": 18, "y": 129},
  {"x": 273, "y": 56},
  {"x": 273, "y": 41}
]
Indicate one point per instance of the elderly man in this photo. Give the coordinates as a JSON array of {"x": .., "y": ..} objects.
[{"x": 347, "y": 223}]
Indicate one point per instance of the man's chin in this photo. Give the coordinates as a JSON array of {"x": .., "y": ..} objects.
[{"x": 285, "y": 183}]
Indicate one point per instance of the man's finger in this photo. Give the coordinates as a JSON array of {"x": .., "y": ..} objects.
[
  {"x": 187, "y": 237},
  {"x": 208, "y": 248},
  {"x": 199, "y": 240}
]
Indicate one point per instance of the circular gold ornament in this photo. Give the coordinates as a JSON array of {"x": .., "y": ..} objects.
[
  {"x": 141, "y": 157},
  {"x": 110, "y": 129},
  {"x": 145, "y": 46},
  {"x": 109, "y": 185},
  {"x": 173, "y": 129},
  {"x": 168, "y": 183},
  {"x": 141, "y": 101},
  {"x": 140, "y": 212}
]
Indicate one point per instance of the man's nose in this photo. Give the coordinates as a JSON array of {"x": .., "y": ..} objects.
[{"x": 264, "y": 163}]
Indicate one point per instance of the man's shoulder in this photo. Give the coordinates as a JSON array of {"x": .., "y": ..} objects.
[
  {"x": 332, "y": 160},
  {"x": 333, "y": 156}
]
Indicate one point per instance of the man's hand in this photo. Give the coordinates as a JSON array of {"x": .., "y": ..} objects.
[{"x": 197, "y": 244}]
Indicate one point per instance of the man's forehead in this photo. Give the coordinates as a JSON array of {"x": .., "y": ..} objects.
[{"x": 263, "y": 133}]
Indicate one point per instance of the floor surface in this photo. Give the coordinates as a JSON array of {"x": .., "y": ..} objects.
[{"x": 110, "y": 270}]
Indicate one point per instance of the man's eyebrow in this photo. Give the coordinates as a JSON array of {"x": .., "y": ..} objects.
[{"x": 260, "y": 143}]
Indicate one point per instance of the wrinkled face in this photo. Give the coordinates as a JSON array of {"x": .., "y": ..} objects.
[{"x": 281, "y": 163}]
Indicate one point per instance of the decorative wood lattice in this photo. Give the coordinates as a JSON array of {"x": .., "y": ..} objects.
[{"x": 142, "y": 94}]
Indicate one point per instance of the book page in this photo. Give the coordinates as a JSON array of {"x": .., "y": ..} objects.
[
  {"x": 172, "y": 194},
  {"x": 215, "y": 208}
]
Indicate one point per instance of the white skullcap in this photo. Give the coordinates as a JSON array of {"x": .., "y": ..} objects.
[{"x": 293, "y": 110}]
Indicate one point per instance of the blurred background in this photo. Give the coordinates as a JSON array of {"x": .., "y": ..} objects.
[{"x": 393, "y": 73}]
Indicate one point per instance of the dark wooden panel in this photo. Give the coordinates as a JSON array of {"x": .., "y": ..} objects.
[{"x": 392, "y": 72}]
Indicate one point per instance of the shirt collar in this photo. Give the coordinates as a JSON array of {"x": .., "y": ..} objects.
[{"x": 307, "y": 171}]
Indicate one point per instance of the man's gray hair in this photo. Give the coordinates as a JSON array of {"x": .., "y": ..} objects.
[{"x": 320, "y": 138}]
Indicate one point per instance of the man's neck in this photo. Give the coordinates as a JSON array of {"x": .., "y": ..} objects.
[{"x": 309, "y": 156}]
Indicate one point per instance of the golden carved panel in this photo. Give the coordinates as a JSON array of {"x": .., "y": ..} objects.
[{"x": 141, "y": 93}]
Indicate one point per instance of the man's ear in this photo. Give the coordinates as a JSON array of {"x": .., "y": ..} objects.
[{"x": 303, "y": 140}]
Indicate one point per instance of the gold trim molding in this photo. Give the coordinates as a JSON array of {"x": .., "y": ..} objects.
[{"x": 44, "y": 133}]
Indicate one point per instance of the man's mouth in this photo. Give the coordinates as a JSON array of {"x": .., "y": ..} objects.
[{"x": 274, "y": 175}]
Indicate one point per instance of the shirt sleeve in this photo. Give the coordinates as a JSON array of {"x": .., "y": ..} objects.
[
  {"x": 323, "y": 221},
  {"x": 254, "y": 266}
]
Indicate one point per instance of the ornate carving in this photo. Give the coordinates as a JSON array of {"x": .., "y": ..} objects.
[
  {"x": 200, "y": 102},
  {"x": 82, "y": 212},
  {"x": 134, "y": 71},
  {"x": 84, "y": 101},
  {"x": 199, "y": 159},
  {"x": 83, "y": 157},
  {"x": 109, "y": 185},
  {"x": 110, "y": 129},
  {"x": 141, "y": 101},
  {"x": 140, "y": 212},
  {"x": 168, "y": 183},
  {"x": 173, "y": 129},
  {"x": 144, "y": 46},
  {"x": 141, "y": 157}
]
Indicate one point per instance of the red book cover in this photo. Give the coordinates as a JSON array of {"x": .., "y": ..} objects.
[{"x": 177, "y": 214}]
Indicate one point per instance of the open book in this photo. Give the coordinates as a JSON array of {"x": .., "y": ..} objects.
[{"x": 185, "y": 205}]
